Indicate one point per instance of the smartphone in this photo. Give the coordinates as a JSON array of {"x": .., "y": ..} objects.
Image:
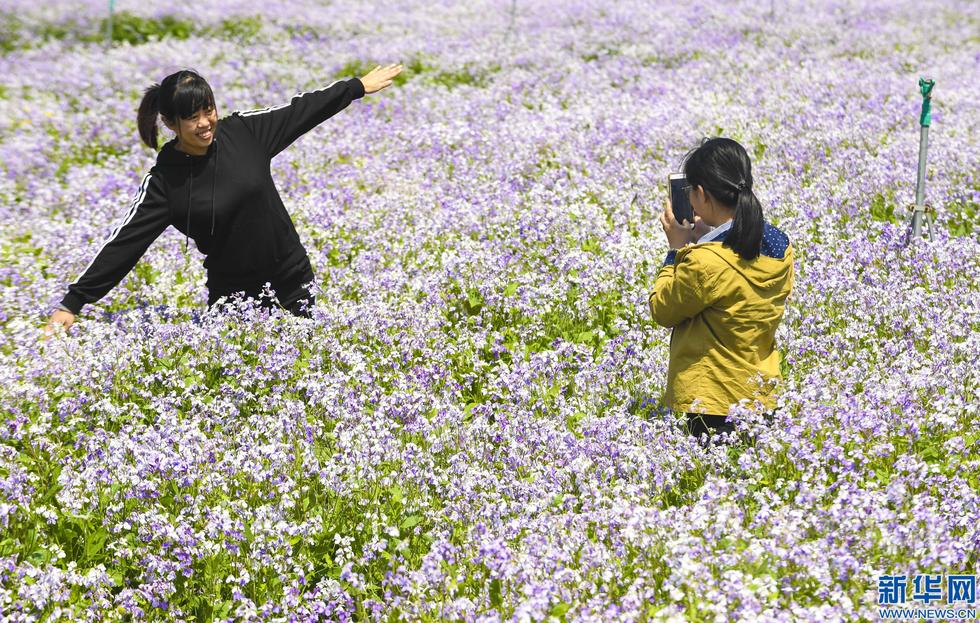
[{"x": 680, "y": 204}]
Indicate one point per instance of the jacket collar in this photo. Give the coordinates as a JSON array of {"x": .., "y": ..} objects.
[
  {"x": 170, "y": 155},
  {"x": 717, "y": 234}
]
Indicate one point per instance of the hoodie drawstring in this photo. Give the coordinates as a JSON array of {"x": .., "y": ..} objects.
[
  {"x": 187, "y": 230},
  {"x": 190, "y": 186},
  {"x": 214, "y": 179}
]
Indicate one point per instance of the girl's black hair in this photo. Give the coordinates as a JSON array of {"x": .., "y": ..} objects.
[
  {"x": 723, "y": 168},
  {"x": 179, "y": 96}
]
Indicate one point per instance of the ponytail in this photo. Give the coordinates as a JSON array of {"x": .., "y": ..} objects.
[
  {"x": 745, "y": 236},
  {"x": 722, "y": 167},
  {"x": 146, "y": 118}
]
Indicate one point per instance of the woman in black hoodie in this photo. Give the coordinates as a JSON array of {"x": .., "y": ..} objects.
[{"x": 214, "y": 184}]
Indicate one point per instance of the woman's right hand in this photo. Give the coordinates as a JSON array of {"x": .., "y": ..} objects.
[
  {"x": 59, "y": 318},
  {"x": 678, "y": 234}
]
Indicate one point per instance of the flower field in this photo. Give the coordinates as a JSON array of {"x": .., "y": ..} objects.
[{"x": 468, "y": 428}]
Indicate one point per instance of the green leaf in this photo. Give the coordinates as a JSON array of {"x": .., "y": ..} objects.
[
  {"x": 40, "y": 556},
  {"x": 511, "y": 289},
  {"x": 51, "y": 492},
  {"x": 784, "y": 367},
  {"x": 410, "y": 522},
  {"x": 882, "y": 209},
  {"x": 224, "y": 610},
  {"x": 559, "y": 609},
  {"x": 554, "y": 390},
  {"x": 8, "y": 546},
  {"x": 95, "y": 541},
  {"x": 495, "y": 598},
  {"x": 474, "y": 301}
]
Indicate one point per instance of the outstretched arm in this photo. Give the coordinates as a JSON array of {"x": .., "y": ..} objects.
[
  {"x": 278, "y": 127},
  {"x": 146, "y": 219}
]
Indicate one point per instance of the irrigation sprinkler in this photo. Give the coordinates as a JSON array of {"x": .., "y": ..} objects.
[
  {"x": 108, "y": 23},
  {"x": 922, "y": 212}
]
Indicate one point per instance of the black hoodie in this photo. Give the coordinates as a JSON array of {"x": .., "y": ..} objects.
[{"x": 225, "y": 200}]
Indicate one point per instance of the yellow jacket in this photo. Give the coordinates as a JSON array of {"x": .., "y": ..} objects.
[{"x": 724, "y": 312}]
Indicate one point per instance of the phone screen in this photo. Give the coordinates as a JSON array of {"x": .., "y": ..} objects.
[{"x": 679, "y": 202}]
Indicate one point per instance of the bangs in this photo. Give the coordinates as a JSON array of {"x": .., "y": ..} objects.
[{"x": 191, "y": 95}]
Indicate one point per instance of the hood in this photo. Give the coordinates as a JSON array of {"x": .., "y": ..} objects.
[
  {"x": 169, "y": 156},
  {"x": 773, "y": 266}
]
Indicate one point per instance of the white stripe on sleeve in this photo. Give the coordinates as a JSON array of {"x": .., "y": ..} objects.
[
  {"x": 140, "y": 196},
  {"x": 260, "y": 111}
]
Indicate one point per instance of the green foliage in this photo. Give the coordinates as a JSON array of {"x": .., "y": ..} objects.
[
  {"x": 126, "y": 27},
  {"x": 419, "y": 67},
  {"x": 17, "y": 247},
  {"x": 80, "y": 539},
  {"x": 134, "y": 29},
  {"x": 242, "y": 28},
  {"x": 670, "y": 61},
  {"x": 883, "y": 207},
  {"x": 56, "y": 31},
  {"x": 606, "y": 51},
  {"x": 87, "y": 152},
  {"x": 15, "y": 35},
  {"x": 356, "y": 68},
  {"x": 10, "y": 37},
  {"x": 144, "y": 272},
  {"x": 962, "y": 215},
  {"x": 465, "y": 76}
]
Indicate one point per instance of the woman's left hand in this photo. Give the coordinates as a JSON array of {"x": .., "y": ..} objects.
[
  {"x": 678, "y": 234},
  {"x": 700, "y": 228},
  {"x": 380, "y": 77}
]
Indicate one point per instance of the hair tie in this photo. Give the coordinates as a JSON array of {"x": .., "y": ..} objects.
[{"x": 741, "y": 185}]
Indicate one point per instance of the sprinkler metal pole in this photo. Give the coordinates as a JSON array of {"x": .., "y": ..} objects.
[
  {"x": 108, "y": 23},
  {"x": 925, "y": 119}
]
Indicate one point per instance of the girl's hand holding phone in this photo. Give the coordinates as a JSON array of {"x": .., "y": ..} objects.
[{"x": 678, "y": 234}]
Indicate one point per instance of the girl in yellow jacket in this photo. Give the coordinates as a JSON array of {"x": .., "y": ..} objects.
[{"x": 722, "y": 290}]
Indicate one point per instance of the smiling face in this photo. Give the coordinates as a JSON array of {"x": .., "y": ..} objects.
[{"x": 195, "y": 133}]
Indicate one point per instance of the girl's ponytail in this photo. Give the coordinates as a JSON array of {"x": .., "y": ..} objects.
[
  {"x": 745, "y": 236},
  {"x": 146, "y": 118}
]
